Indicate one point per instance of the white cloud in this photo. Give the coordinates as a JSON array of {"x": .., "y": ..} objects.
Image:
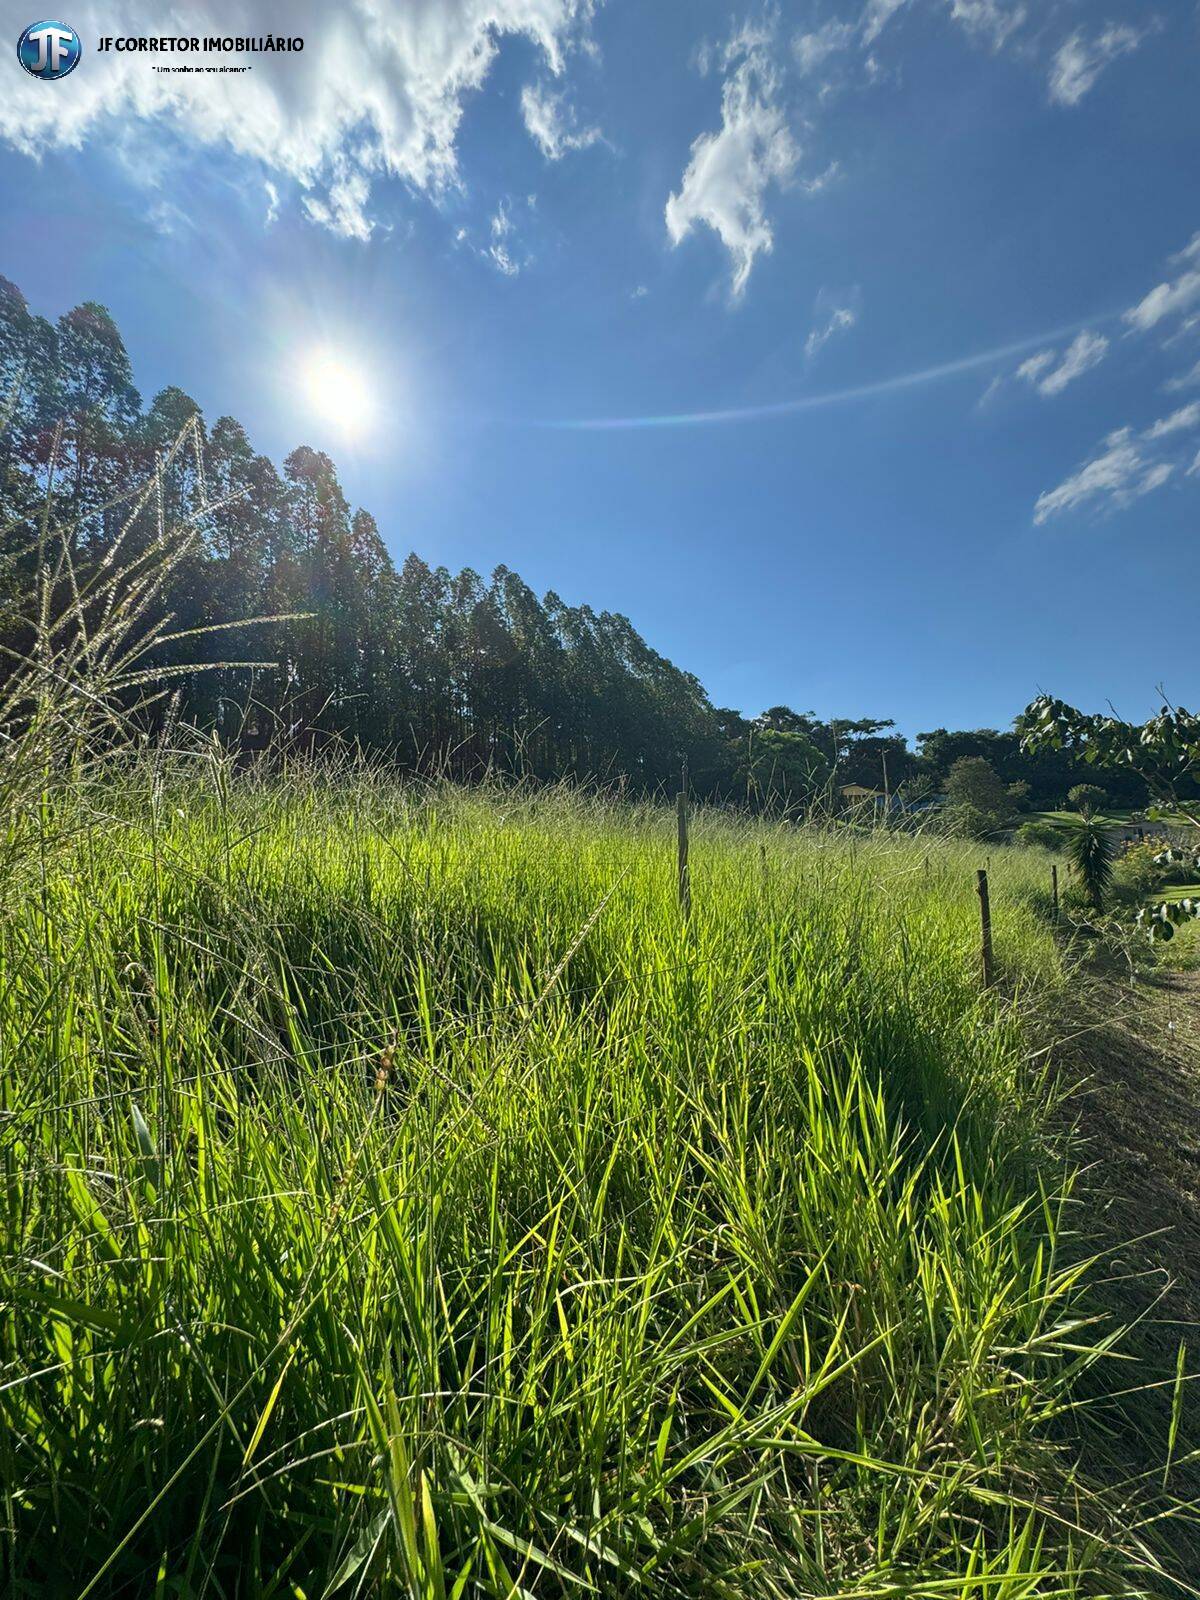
[
  {"x": 993, "y": 19},
  {"x": 499, "y": 252},
  {"x": 1181, "y": 421},
  {"x": 751, "y": 39},
  {"x": 1175, "y": 295},
  {"x": 1078, "y": 62},
  {"x": 377, "y": 91},
  {"x": 552, "y": 124},
  {"x": 1188, "y": 326},
  {"x": 876, "y": 16},
  {"x": 996, "y": 19},
  {"x": 502, "y": 246},
  {"x": 821, "y": 180},
  {"x": 990, "y": 393},
  {"x": 1194, "y": 470},
  {"x": 1050, "y": 373},
  {"x": 1184, "y": 380},
  {"x": 1032, "y": 369},
  {"x": 743, "y": 41},
  {"x": 169, "y": 219},
  {"x": 1156, "y": 477},
  {"x": 835, "y": 312},
  {"x": 730, "y": 171},
  {"x": 1128, "y": 466},
  {"x": 1117, "y": 473},
  {"x": 812, "y": 50},
  {"x": 343, "y": 210}
]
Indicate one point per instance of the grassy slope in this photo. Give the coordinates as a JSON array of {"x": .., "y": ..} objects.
[
  {"x": 1118, "y": 819},
  {"x": 1121, "y": 818},
  {"x": 1115, "y": 819},
  {"x": 397, "y": 1194}
]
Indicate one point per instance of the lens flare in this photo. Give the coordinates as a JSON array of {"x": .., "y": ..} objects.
[{"x": 338, "y": 391}]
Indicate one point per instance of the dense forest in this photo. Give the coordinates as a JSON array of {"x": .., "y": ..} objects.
[{"x": 411, "y": 661}]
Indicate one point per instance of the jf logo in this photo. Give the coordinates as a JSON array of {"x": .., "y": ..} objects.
[{"x": 49, "y": 49}]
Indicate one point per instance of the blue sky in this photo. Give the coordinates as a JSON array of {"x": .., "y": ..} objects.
[{"x": 890, "y": 311}]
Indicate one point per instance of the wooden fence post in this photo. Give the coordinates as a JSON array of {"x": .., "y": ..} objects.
[
  {"x": 685, "y": 875},
  {"x": 1054, "y": 887},
  {"x": 985, "y": 926}
]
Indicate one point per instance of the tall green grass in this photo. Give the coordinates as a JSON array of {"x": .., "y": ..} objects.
[{"x": 400, "y": 1198}]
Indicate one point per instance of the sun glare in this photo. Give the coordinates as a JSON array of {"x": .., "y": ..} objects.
[{"x": 338, "y": 391}]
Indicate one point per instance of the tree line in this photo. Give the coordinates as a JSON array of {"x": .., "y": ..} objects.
[{"x": 412, "y": 661}]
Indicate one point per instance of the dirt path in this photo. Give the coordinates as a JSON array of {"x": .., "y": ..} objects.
[
  {"x": 1139, "y": 1116},
  {"x": 1138, "y": 1112}
]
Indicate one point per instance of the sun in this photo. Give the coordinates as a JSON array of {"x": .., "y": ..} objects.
[{"x": 338, "y": 391}]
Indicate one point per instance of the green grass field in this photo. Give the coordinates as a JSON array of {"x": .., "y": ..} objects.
[
  {"x": 401, "y": 1199},
  {"x": 1114, "y": 819}
]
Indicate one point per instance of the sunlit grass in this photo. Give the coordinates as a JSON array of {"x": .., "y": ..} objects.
[{"x": 401, "y": 1198}]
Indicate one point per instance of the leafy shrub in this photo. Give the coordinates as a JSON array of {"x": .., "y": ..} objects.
[
  {"x": 1175, "y": 865},
  {"x": 1136, "y": 874},
  {"x": 1086, "y": 798},
  {"x": 1018, "y": 794},
  {"x": 1039, "y": 835},
  {"x": 975, "y": 782},
  {"x": 967, "y": 821},
  {"x": 978, "y": 806}
]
